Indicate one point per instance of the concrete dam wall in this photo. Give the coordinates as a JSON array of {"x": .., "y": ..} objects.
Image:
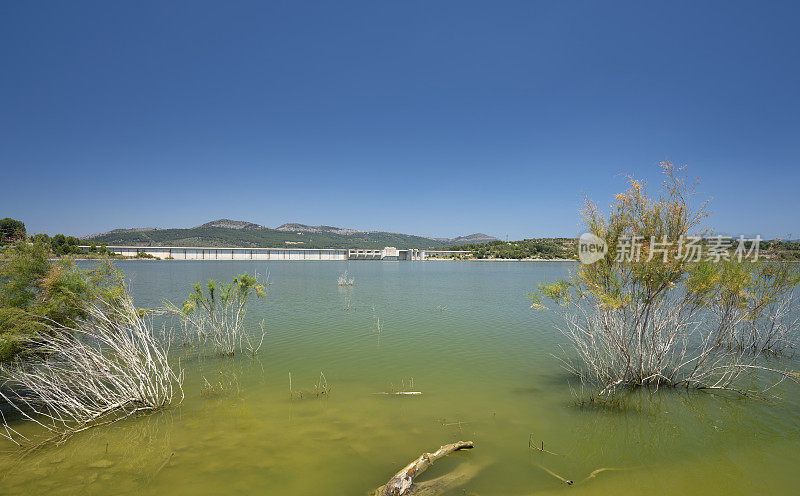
[{"x": 218, "y": 253}]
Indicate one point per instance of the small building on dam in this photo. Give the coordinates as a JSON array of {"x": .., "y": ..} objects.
[{"x": 221, "y": 253}]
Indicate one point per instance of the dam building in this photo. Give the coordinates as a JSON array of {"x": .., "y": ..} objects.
[{"x": 220, "y": 253}]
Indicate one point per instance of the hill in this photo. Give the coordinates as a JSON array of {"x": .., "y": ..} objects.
[
  {"x": 231, "y": 224},
  {"x": 472, "y": 238},
  {"x": 226, "y": 232}
]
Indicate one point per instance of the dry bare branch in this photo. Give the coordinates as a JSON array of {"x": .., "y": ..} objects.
[
  {"x": 105, "y": 368},
  {"x": 402, "y": 483}
]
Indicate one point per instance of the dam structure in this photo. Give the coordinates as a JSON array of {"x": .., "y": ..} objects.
[{"x": 226, "y": 253}]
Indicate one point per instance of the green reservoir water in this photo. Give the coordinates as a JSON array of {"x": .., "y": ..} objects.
[{"x": 466, "y": 335}]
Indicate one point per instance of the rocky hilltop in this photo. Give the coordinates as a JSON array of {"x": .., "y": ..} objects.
[{"x": 227, "y": 233}]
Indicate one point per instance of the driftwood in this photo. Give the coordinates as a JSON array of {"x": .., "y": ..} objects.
[
  {"x": 402, "y": 484},
  {"x": 562, "y": 479},
  {"x": 590, "y": 476},
  {"x": 532, "y": 445},
  {"x": 600, "y": 470},
  {"x": 401, "y": 393},
  {"x": 447, "y": 482}
]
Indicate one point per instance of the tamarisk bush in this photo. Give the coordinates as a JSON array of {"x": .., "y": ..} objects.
[
  {"x": 657, "y": 317},
  {"x": 217, "y": 312},
  {"x": 102, "y": 369}
]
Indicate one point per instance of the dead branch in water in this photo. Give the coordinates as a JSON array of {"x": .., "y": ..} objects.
[
  {"x": 590, "y": 476},
  {"x": 601, "y": 470},
  {"x": 403, "y": 482},
  {"x": 401, "y": 393},
  {"x": 459, "y": 423},
  {"x": 562, "y": 479},
  {"x": 402, "y": 390},
  {"x": 444, "y": 484},
  {"x": 532, "y": 445}
]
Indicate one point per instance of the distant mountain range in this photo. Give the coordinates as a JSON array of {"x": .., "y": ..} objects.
[{"x": 226, "y": 232}]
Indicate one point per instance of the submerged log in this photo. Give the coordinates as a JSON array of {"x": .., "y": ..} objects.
[
  {"x": 447, "y": 482},
  {"x": 403, "y": 482}
]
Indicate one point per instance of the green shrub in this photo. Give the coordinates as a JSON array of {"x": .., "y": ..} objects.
[
  {"x": 11, "y": 230},
  {"x": 9, "y": 346},
  {"x": 36, "y": 291}
]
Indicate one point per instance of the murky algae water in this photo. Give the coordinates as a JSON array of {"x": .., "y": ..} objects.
[{"x": 465, "y": 334}]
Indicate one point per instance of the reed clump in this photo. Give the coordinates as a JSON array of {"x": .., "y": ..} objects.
[
  {"x": 345, "y": 280},
  {"x": 227, "y": 383},
  {"x": 321, "y": 389},
  {"x": 403, "y": 389}
]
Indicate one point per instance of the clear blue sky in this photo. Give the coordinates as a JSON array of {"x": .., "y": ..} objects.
[{"x": 434, "y": 118}]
